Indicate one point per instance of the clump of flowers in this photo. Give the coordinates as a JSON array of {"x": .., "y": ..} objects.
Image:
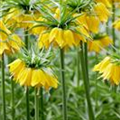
[
  {"x": 99, "y": 42},
  {"x": 21, "y": 13},
  {"x": 60, "y": 29},
  {"x": 109, "y": 68},
  {"x": 9, "y": 43},
  {"x": 92, "y": 12},
  {"x": 33, "y": 69}
]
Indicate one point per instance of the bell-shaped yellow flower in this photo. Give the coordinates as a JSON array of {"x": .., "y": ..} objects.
[
  {"x": 102, "y": 12},
  {"x": 20, "y": 18},
  {"x": 9, "y": 43},
  {"x": 63, "y": 38},
  {"x": 98, "y": 44},
  {"x": 29, "y": 76},
  {"x": 88, "y": 20},
  {"x": 109, "y": 70}
]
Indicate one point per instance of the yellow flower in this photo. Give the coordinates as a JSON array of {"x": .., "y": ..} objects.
[
  {"x": 102, "y": 12},
  {"x": 105, "y": 2},
  {"x": 62, "y": 38},
  {"x": 29, "y": 76},
  {"x": 88, "y": 20},
  {"x": 97, "y": 44},
  {"x": 9, "y": 43},
  {"x": 116, "y": 24},
  {"x": 36, "y": 29},
  {"x": 20, "y": 18},
  {"x": 109, "y": 70}
]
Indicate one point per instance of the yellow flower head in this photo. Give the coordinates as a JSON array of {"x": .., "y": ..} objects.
[
  {"x": 9, "y": 43},
  {"x": 116, "y": 24},
  {"x": 33, "y": 71},
  {"x": 99, "y": 43},
  {"x": 88, "y": 20},
  {"x": 109, "y": 68},
  {"x": 62, "y": 38},
  {"x": 102, "y": 12},
  {"x": 60, "y": 29},
  {"x": 21, "y": 13}
]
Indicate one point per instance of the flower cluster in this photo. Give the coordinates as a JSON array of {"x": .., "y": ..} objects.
[
  {"x": 9, "y": 43},
  {"x": 110, "y": 69},
  {"x": 33, "y": 70},
  {"x": 100, "y": 41}
]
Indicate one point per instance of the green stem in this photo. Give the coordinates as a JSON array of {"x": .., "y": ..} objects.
[
  {"x": 86, "y": 60},
  {"x": 86, "y": 83},
  {"x": 113, "y": 20},
  {"x": 12, "y": 100},
  {"x": 63, "y": 84},
  {"x": 78, "y": 66},
  {"x": 36, "y": 104},
  {"x": 96, "y": 92},
  {"x": 27, "y": 104},
  {"x": 41, "y": 104},
  {"x": 27, "y": 89},
  {"x": 12, "y": 97},
  {"x": 107, "y": 27},
  {"x": 26, "y": 39},
  {"x": 3, "y": 87}
]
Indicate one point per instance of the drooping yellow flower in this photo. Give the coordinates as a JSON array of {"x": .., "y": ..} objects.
[
  {"x": 102, "y": 12},
  {"x": 88, "y": 21},
  {"x": 98, "y": 44},
  {"x": 109, "y": 70},
  {"x": 9, "y": 43},
  {"x": 63, "y": 38},
  {"x": 20, "y": 18},
  {"x": 30, "y": 76},
  {"x": 116, "y": 24}
]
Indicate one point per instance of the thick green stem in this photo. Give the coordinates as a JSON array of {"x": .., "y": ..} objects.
[
  {"x": 41, "y": 104},
  {"x": 36, "y": 104},
  {"x": 86, "y": 60},
  {"x": 12, "y": 100},
  {"x": 86, "y": 83},
  {"x": 26, "y": 39},
  {"x": 27, "y": 89},
  {"x": 3, "y": 87},
  {"x": 78, "y": 66},
  {"x": 113, "y": 20},
  {"x": 63, "y": 84},
  {"x": 107, "y": 27},
  {"x": 27, "y": 104},
  {"x": 96, "y": 92},
  {"x": 12, "y": 97}
]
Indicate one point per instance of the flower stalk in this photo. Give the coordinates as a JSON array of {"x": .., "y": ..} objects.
[
  {"x": 113, "y": 20},
  {"x": 3, "y": 87},
  {"x": 78, "y": 66},
  {"x": 41, "y": 104},
  {"x": 27, "y": 89},
  {"x": 62, "y": 70},
  {"x": 36, "y": 104},
  {"x": 83, "y": 56},
  {"x": 12, "y": 100}
]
